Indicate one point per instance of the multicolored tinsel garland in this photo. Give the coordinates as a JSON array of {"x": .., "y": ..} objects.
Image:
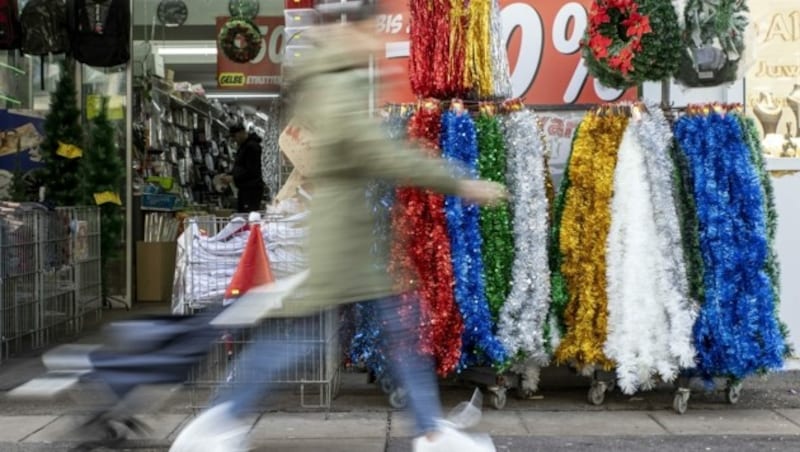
[
  {"x": 584, "y": 230},
  {"x": 736, "y": 333},
  {"x": 524, "y": 313},
  {"x": 365, "y": 346},
  {"x": 496, "y": 224},
  {"x": 478, "y": 72},
  {"x": 773, "y": 267},
  {"x": 649, "y": 317},
  {"x": 422, "y": 251},
  {"x": 480, "y": 346},
  {"x": 501, "y": 74}
]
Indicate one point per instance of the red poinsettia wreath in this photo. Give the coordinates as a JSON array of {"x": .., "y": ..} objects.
[{"x": 616, "y": 29}]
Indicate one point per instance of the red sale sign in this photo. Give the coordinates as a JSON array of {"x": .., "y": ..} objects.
[
  {"x": 264, "y": 72},
  {"x": 543, "y": 41}
]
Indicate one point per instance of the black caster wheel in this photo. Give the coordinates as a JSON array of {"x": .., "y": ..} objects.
[
  {"x": 387, "y": 385},
  {"x": 398, "y": 399},
  {"x": 681, "y": 401},
  {"x": 597, "y": 393},
  {"x": 733, "y": 393},
  {"x": 498, "y": 399}
]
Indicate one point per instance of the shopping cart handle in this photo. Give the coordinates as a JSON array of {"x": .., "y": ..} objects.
[{"x": 259, "y": 302}]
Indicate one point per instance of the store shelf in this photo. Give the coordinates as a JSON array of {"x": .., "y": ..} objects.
[{"x": 783, "y": 164}]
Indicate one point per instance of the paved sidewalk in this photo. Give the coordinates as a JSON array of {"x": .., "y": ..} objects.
[{"x": 513, "y": 430}]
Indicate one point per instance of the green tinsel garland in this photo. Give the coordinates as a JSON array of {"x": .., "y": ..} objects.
[
  {"x": 496, "y": 222},
  {"x": 753, "y": 140},
  {"x": 690, "y": 227},
  {"x": 558, "y": 285},
  {"x": 660, "y": 53},
  {"x": 720, "y": 25}
]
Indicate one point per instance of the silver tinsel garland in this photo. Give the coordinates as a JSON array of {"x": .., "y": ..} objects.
[
  {"x": 501, "y": 77},
  {"x": 655, "y": 134},
  {"x": 522, "y": 319},
  {"x": 271, "y": 152}
]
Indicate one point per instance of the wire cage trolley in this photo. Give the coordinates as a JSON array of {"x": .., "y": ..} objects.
[
  {"x": 50, "y": 270},
  {"x": 209, "y": 250}
]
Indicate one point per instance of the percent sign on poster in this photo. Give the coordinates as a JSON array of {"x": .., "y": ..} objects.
[{"x": 543, "y": 39}]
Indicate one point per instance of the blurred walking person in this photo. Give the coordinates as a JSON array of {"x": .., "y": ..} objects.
[{"x": 349, "y": 151}]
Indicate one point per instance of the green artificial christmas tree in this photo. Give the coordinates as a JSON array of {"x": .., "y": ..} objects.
[
  {"x": 62, "y": 142},
  {"x": 18, "y": 191},
  {"x": 101, "y": 177}
]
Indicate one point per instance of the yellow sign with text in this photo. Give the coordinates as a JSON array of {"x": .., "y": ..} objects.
[{"x": 228, "y": 79}]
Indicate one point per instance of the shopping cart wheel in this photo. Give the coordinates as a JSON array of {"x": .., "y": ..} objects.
[
  {"x": 681, "y": 401},
  {"x": 498, "y": 398},
  {"x": 733, "y": 392},
  {"x": 387, "y": 385},
  {"x": 398, "y": 399},
  {"x": 597, "y": 393}
]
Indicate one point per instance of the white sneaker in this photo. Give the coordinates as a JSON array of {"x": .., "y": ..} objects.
[
  {"x": 452, "y": 440},
  {"x": 213, "y": 431}
]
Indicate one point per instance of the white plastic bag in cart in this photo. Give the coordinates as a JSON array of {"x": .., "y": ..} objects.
[
  {"x": 467, "y": 414},
  {"x": 258, "y": 302}
]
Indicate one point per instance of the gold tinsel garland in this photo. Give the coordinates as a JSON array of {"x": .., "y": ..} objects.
[
  {"x": 478, "y": 73},
  {"x": 584, "y": 229}
]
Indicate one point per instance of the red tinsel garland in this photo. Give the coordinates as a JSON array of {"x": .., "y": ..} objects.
[
  {"x": 422, "y": 45},
  {"x": 441, "y": 55},
  {"x": 422, "y": 252}
]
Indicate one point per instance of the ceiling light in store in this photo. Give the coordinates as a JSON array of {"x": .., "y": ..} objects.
[
  {"x": 242, "y": 95},
  {"x": 176, "y": 51}
]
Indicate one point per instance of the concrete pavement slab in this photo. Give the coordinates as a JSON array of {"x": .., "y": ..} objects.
[
  {"x": 163, "y": 426},
  {"x": 598, "y": 423},
  {"x": 791, "y": 414},
  {"x": 507, "y": 423},
  {"x": 16, "y": 428},
  {"x": 62, "y": 429},
  {"x": 320, "y": 425},
  {"x": 730, "y": 422},
  {"x": 316, "y": 445}
]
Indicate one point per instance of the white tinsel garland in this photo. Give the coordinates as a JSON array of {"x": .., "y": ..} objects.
[
  {"x": 523, "y": 316},
  {"x": 655, "y": 134},
  {"x": 637, "y": 325},
  {"x": 270, "y": 155},
  {"x": 680, "y": 10},
  {"x": 501, "y": 74},
  {"x": 650, "y": 315}
]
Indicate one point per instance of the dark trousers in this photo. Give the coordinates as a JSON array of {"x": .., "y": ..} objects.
[{"x": 249, "y": 200}]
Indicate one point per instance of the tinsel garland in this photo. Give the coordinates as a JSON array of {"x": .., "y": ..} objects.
[
  {"x": 422, "y": 251},
  {"x": 649, "y": 317},
  {"x": 736, "y": 333},
  {"x": 655, "y": 134},
  {"x": 501, "y": 74},
  {"x": 422, "y": 46},
  {"x": 753, "y": 140},
  {"x": 270, "y": 157},
  {"x": 458, "y": 41},
  {"x": 584, "y": 231},
  {"x": 478, "y": 72},
  {"x": 496, "y": 225},
  {"x": 441, "y": 50},
  {"x": 480, "y": 346},
  {"x": 559, "y": 297},
  {"x": 366, "y": 347},
  {"x": 523, "y": 316}
]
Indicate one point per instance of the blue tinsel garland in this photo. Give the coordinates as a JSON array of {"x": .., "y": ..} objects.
[
  {"x": 480, "y": 346},
  {"x": 736, "y": 333},
  {"x": 366, "y": 347}
]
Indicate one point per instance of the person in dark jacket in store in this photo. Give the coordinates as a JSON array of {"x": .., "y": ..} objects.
[{"x": 247, "y": 169}]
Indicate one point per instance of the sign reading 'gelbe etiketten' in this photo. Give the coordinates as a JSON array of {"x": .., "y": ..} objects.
[{"x": 263, "y": 73}]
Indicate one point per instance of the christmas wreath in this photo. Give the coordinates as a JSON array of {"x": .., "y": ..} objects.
[
  {"x": 628, "y": 42},
  {"x": 713, "y": 42},
  {"x": 240, "y": 40}
]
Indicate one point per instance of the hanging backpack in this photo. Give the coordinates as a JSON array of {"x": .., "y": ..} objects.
[
  {"x": 9, "y": 25},
  {"x": 99, "y": 31},
  {"x": 44, "y": 27}
]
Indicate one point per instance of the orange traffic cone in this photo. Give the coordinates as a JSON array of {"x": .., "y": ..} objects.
[{"x": 253, "y": 269}]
